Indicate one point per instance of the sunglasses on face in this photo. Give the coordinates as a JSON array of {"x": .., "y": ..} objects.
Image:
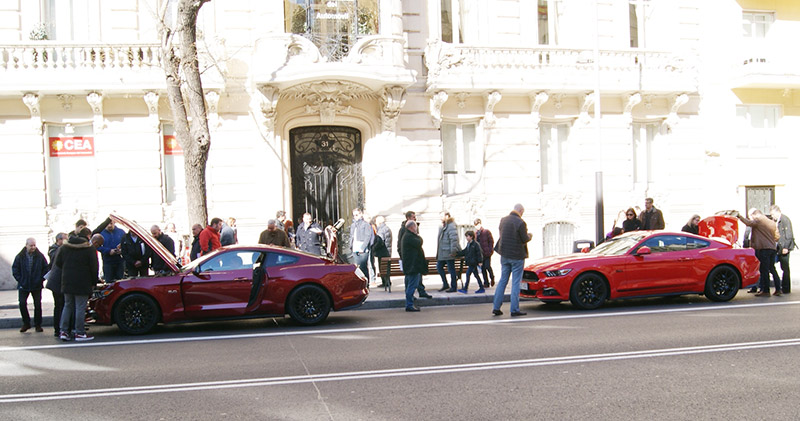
[{"x": 630, "y": 214}]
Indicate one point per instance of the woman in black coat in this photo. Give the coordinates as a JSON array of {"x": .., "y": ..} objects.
[
  {"x": 78, "y": 262},
  {"x": 631, "y": 222}
]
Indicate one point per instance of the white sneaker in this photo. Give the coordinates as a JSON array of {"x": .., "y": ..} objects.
[
  {"x": 83, "y": 337},
  {"x": 64, "y": 336}
]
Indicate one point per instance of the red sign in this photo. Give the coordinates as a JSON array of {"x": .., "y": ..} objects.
[
  {"x": 71, "y": 146},
  {"x": 171, "y": 146}
]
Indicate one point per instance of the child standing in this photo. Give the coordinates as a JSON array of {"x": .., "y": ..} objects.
[{"x": 472, "y": 257}]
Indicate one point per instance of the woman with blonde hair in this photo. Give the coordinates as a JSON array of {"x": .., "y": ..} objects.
[{"x": 691, "y": 226}]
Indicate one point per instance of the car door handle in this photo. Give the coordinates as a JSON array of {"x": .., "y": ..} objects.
[
  {"x": 241, "y": 279},
  {"x": 685, "y": 259}
]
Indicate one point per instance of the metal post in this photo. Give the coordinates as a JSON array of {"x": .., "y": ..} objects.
[{"x": 598, "y": 185}]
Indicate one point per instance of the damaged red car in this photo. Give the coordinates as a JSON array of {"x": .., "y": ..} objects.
[
  {"x": 234, "y": 282},
  {"x": 648, "y": 264}
]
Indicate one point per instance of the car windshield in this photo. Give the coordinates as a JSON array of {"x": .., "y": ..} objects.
[{"x": 618, "y": 245}]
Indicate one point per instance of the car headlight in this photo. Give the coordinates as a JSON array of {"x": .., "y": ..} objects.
[{"x": 555, "y": 273}]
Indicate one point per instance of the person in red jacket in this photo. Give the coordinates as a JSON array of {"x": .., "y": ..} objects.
[{"x": 209, "y": 237}]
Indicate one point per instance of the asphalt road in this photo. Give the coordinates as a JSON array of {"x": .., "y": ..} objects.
[{"x": 684, "y": 358}]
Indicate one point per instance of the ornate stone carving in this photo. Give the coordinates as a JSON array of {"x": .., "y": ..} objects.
[
  {"x": 537, "y": 100},
  {"x": 437, "y": 101},
  {"x": 66, "y": 101},
  {"x": 392, "y": 101},
  {"x": 328, "y": 98},
  {"x": 461, "y": 99},
  {"x": 588, "y": 102},
  {"x": 268, "y": 105},
  {"x": 632, "y": 101},
  {"x": 95, "y": 100},
  {"x": 557, "y": 98},
  {"x": 212, "y": 99},
  {"x": 492, "y": 99},
  {"x": 151, "y": 99},
  {"x": 677, "y": 102},
  {"x": 31, "y": 101}
]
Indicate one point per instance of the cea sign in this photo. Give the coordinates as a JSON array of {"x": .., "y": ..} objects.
[{"x": 71, "y": 146}]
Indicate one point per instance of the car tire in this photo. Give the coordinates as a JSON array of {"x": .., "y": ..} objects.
[
  {"x": 136, "y": 314},
  {"x": 722, "y": 284},
  {"x": 589, "y": 291},
  {"x": 308, "y": 305}
]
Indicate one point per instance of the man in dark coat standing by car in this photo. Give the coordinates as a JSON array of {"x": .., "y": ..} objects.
[
  {"x": 158, "y": 263},
  {"x": 28, "y": 269},
  {"x": 763, "y": 238},
  {"x": 512, "y": 246},
  {"x": 308, "y": 237},
  {"x": 652, "y": 218},
  {"x": 77, "y": 260},
  {"x": 195, "y": 251},
  {"x": 136, "y": 255},
  {"x": 785, "y": 245},
  {"x": 414, "y": 263}
]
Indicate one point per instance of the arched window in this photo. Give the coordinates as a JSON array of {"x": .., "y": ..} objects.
[{"x": 558, "y": 238}]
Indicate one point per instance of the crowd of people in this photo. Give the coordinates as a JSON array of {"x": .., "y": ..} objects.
[{"x": 71, "y": 268}]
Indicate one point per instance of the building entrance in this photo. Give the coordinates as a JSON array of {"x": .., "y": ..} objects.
[{"x": 326, "y": 176}]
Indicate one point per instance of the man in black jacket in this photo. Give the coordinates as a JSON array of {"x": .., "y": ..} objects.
[
  {"x": 136, "y": 255},
  {"x": 410, "y": 216},
  {"x": 28, "y": 269},
  {"x": 512, "y": 246},
  {"x": 414, "y": 265},
  {"x": 158, "y": 264}
]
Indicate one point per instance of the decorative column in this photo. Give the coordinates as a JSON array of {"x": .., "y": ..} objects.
[
  {"x": 32, "y": 102},
  {"x": 492, "y": 99},
  {"x": 437, "y": 101},
  {"x": 151, "y": 99},
  {"x": 212, "y": 99},
  {"x": 537, "y": 100},
  {"x": 392, "y": 101},
  {"x": 95, "y": 100}
]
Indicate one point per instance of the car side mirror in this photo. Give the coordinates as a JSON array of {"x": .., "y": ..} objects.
[
  {"x": 196, "y": 271},
  {"x": 643, "y": 251}
]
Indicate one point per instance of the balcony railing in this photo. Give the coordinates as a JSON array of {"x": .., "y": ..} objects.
[
  {"x": 49, "y": 55},
  {"x": 565, "y": 68}
]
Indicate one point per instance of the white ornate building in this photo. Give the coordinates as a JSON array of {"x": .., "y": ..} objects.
[{"x": 461, "y": 105}]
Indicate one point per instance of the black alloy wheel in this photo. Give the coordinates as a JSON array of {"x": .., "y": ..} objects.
[
  {"x": 588, "y": 291},
  {"x": 136, "y": 314},
  {"x": 722, "y": 284},
  {"x": 308, "y": 305}
]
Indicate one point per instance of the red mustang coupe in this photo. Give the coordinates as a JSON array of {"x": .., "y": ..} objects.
[
  {"x": 646, "y": 264},
  {"x": 232, "y": 282}
]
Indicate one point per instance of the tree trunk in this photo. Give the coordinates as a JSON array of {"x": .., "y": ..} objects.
[{"x": 185, "y": 94}]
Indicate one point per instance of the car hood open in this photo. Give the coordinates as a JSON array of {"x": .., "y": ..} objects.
[
  {"x": 155, "y": 245},
  {"x": 720, "y": 226}
]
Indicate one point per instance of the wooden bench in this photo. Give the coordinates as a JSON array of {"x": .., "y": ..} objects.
[{"x": 394, "y": 266}]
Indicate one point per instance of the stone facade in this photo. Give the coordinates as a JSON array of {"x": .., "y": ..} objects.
[{"x": 470, "y": 108}]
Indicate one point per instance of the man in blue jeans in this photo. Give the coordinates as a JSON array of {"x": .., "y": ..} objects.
[{"x": 513, "y": 249}]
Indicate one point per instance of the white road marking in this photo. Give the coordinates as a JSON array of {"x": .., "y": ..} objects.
[
  {"x": 397, "y": 372},
  {"x": 323, "y": 331}
]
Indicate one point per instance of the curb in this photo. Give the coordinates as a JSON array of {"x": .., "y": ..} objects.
[{"x": 400, "y": 302}]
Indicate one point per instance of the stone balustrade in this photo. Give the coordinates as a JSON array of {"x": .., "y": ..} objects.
[
  {"x": 54, "y": 55},
  {"x": 463, "y": 66}
]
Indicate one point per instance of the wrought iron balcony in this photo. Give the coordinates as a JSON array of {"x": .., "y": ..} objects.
[{"x": 470, "y": 68}]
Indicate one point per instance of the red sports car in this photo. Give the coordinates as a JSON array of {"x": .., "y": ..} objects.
[
  {"x": 646, "y": 264},
  {"x": 232, "y": 282}
]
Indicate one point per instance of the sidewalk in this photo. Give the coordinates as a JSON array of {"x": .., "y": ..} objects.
[{"x": 378, "y": 298}]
